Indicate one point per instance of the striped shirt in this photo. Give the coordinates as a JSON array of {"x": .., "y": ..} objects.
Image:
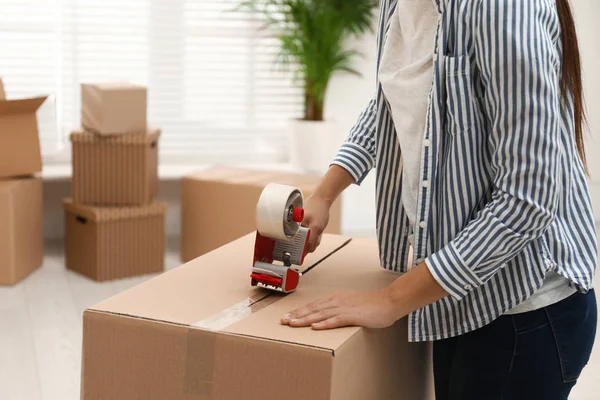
[{"x": 504, "y": 197}]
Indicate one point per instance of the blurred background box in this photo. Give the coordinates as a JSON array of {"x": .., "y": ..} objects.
[
  {"x": 218, "y": 205},
  {"x": 113, "y": 108},
  {"x": 105, "y": 243},
  {"x": 21, "y": 232},
  {"x": 115, "y": 171},
  {"x": 19, "y": 140}
]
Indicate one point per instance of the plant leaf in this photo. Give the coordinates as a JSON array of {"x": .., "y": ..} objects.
[{"x": 312, "y": 36}]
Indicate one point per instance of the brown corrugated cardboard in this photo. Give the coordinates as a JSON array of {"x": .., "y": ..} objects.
[
  {"x": 19, "y": 141},
  {"x": 2, "y": 94},
  {"x": 21, "y": 231},
  {"x": 217, "y": 205},
  {"x": 115, "y": 170},
  {"x": 107, "y": 243},
  {"x": 201, "y": 331},
  {"x": 113, "y": 108}
]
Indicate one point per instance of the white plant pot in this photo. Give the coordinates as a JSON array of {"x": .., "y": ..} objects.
[{"x": 313, "y": 145}]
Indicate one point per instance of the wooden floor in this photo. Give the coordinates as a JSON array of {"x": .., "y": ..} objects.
[{"x": 41, "y": 328}]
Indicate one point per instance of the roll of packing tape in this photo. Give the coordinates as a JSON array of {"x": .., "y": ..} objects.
[{"x": 275, "y": 211}]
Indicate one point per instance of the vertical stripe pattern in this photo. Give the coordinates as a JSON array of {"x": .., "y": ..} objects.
[{"x": 507, "y": 199}]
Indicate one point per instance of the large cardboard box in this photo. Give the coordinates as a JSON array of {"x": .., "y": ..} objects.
[
  {"x": 115, "y": 170},
  {"x": 21, "y": 228},
  {"x": 218, "y": 205},
  {"x": 113, "y": 108},
  {"x": 107, "y": 243},
  {"x": 19, "y": 141},
  {"x": 202, "y": 332}
]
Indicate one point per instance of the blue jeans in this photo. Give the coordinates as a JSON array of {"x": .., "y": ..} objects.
[{"x": 534, "y": 355}]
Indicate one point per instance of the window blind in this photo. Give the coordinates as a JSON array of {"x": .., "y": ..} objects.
[
  {"x": 212, "y": 85},
  {"x": 30, "y": 62}
]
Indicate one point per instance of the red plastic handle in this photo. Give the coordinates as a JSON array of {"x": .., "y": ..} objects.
[{"x": 298, "y": 214}]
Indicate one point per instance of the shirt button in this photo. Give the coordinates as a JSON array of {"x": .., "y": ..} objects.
[
  {"x": 423, "y": 224},
  {"x": 425, "y": 184},
  {"x": 426, "y": 142},
  {"x": 468, "y": 287}
]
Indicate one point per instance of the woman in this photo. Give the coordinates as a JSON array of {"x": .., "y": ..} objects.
[{"x": 476, "y": 130}]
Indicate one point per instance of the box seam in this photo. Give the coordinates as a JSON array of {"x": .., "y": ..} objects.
[{"x": 137, "y": 317}]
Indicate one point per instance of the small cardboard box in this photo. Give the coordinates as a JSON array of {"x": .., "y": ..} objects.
[
  {"x": 113, "y": 108},
  {"x": 218, "y": 205},
  {"x": 201, "y": 331},
  {"x": 20, "y": 153},
  {"x": 111, "y": 243},
  {"x": 115, "y": 170},
  {"x": 2, "y": 94},
  {"x": 21, "y": 228}
]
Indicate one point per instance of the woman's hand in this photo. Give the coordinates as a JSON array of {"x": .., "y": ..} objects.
[
  {"x": 316, "y": 218},
  {"x": 373, "y": 309},
  {"x": 316, "y": 207}
]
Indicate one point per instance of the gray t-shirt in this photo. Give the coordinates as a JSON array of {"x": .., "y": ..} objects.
[
  {"x": 406, "y": 75},
  {"x": 554, "y": 289}
]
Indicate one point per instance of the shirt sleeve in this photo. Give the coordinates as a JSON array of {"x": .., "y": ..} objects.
[
  {"x": 517, "y": 56},
  {"x": 357, "y": 153}
]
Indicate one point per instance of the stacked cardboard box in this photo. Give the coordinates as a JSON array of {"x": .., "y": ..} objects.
[
  {"x": 113, "y": 226},
  {"x": 21, "y": 204},
  {"x": 218, "y": 205}
]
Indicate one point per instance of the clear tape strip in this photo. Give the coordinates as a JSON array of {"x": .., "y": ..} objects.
[{"x": 247, "y": 307}]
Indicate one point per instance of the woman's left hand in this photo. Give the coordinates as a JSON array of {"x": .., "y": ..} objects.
[{"x": 373, "y": 309}]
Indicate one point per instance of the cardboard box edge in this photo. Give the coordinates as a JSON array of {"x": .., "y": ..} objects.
[{"x": 100, "y": 313}]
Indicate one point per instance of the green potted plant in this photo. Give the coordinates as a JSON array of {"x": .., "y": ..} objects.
[{"x": 312, "y": 36}]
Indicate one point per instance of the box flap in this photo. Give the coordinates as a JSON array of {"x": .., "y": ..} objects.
[
  {"x": 2, "y": 93},
  {"x": 216, "y": 286},
  {"x": 20, "y": 106}
]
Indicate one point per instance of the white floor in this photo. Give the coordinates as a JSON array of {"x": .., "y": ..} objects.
[{"x": 40, "y": 333}]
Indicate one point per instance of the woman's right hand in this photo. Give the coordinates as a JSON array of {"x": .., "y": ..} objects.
[
  {"x": 316, "y": 218},
  {"x": 317, "y": 206}
]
